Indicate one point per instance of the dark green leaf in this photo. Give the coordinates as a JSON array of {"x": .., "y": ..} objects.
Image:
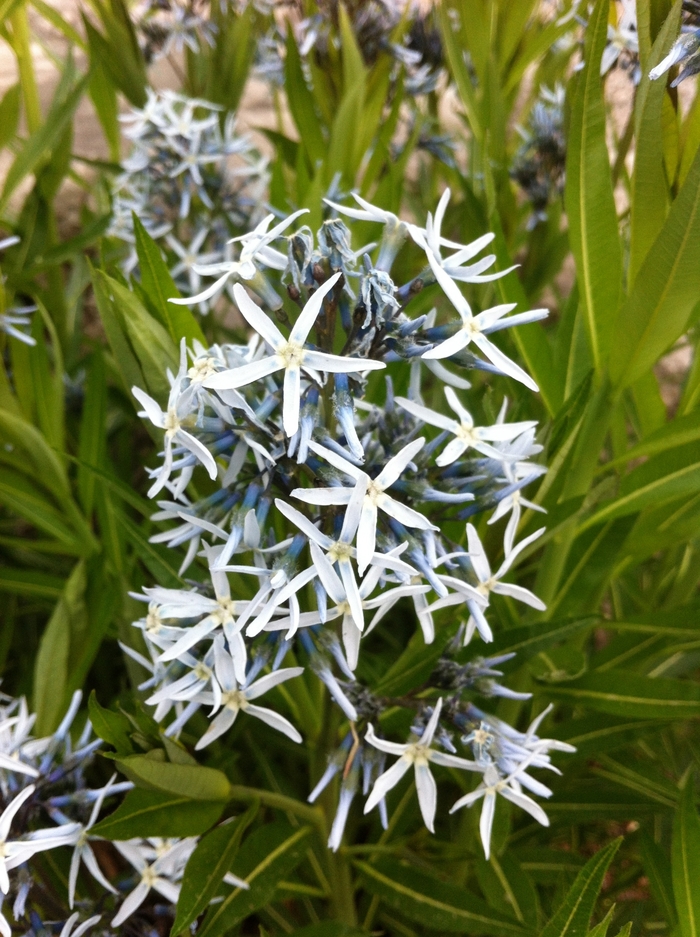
[
  {"x": 434, "y": 904},
  {"x": 685, "y": 862},
  {"x": 266, "y": 857},
  {"x": 573, "y": 917},
  {"x": 193, "y": 781},
  {"x": 112, "y": 727},
  {"x": 206, "y": 868},
  {"x": 589, "y": 199},
  {"x": 629, "y": 694},
  {"x": 152, "y": 813}
]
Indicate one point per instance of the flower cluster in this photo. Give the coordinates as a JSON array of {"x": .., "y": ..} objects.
[
  {"x": 540, "y": 163},
  {"x": 191, "y": 179},
  {"x": 329, "y": 508},
  {"x": 48, "y": 804}
]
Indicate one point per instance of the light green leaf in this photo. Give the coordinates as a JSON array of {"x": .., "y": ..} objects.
[
  {"x": 601, "y": 930},
  {"x": 649, "y": 196},
  {"x": 573, "y": 917},
  {"x": 665, "y": 291},
  {"x": 39, "y": 144},
  {"x": 9, "y": 115},
  {"x": 432, "y": 903},
  {"x": 589, "y": 199},
  {"x": 193, "y": 781},
  {"x": 206, "y": 868},
  {"x": 159, "y": 288},
  {"x": 51, "y": 670},
  {"x": 685, "y": 862},
  {"x": 678, "y": 432},
  {"x": 629, "y": 694},
  {"x": 265, "y": 858},
  {"x": 152, "y": 813},
  {"x": 93, "y": 433},
  {"x": 301, "y": 103},
  {"x": 670, "y": 475}
]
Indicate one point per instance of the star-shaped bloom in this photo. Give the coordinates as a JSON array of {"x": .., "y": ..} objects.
[
  {"x": 255, "y": 246},
  {"x": 488, "y": 583},
  {"x": 375, "y": 497},
  {"x": 467, "y": 436},
  {"x": 431, "y": 240},
  {"x": 157, "y": 875},
  {"x": 477, "y": 328},
  {"x": 190, "y": 257},
  {"x": 624, "y": 37},
  {"x": 236, "y": 698},
  {"x": 289, "y": 354},
  {"x": 418, "y": 755},
  {"x": 83, "y": 850},
  {"x": 339, "y": 554},
  {"x": 174, "y": 422},
  {"x": 508, "y": 787}
]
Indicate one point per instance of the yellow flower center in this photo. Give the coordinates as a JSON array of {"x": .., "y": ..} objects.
[
  {"x": 234, "y": 699},
  {"x": 339, "y": 551},
  {"x": 291, "y": 354}
]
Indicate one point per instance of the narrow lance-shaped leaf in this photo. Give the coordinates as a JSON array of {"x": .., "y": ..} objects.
[
  {"x": 649, "y": 197},
  {"x": 206, "y": 868},
  {"x": 589, "y": 198},
  {"x": 629, "y": 694},
  {"x": 434, "y": 904},
  {"x": 666, "y": 289},
  {"x": 685, "y": 862},
  {"x": 573, "y": 917},
  {"x": 153, "y": 813}
]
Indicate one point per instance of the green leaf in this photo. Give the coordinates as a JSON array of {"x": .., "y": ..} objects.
[
  {"x": 152, "y": 813},
  {"x": 628, "y": 694},
  {"x": 117, "y": 52},
  {"x": 159, "y": 288},
  {"x": 126, "y": 361},
  {"x": 658, "y": 870},
  {"x": 301, "y": 103},
  {"x": 266, "y": 857},
  {"x": 678, "y": 432},
  {"x": 432, "y": 903},
  {"x": 112, "y": 727},
  {"x": 93, "y": 433},
  {"x": 30, "y": 582},
  {"x": 9, "y": 115},
  {"x": 51, "y": 670},
  {"x": 39, "y": 144},
  {"x": 665, "y": 291},
  {"x": 685, "y": 862},
  {"x": 601, "y": 930},
  {"x": 529, "y": 640},
  {"x": 206, "y": 868},
  {"x": 193, "y": 781},
  {"x": 649, "y": 195},
  {"x": 590, "y": 205},
  {"x": 673, "y": 474},
  {"x": 573, "y": 917}
]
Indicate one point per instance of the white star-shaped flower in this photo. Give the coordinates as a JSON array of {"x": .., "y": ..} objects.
[
  {"x": 236, "y": 698},
  {"x": 418, "y": 755},
  {"x": 375, "y": 497},
  {"x": 467, "y": 436},
  {"x": 289, "y": 354},
  {"x": 477, "y": 328}
]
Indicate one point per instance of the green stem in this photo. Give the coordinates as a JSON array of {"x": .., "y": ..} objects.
[
  {"x": 22, "y": 49},
  {"x": 312, "y": 815}
]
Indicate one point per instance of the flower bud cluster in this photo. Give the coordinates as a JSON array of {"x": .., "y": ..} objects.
[{"x": 328, "y": 502}]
